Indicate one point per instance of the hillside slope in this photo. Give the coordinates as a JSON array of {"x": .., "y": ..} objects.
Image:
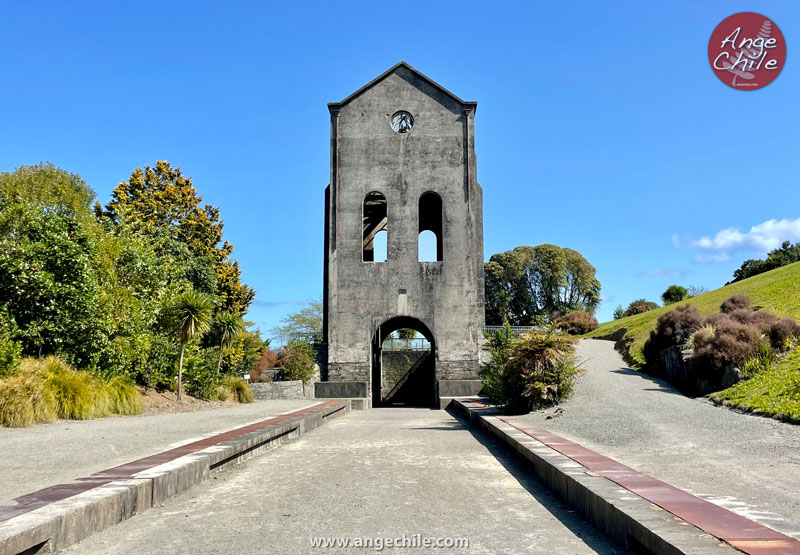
[{"x": 776, "y": 291}]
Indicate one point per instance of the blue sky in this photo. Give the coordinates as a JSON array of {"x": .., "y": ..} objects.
[{"x": 600, "y": 126}]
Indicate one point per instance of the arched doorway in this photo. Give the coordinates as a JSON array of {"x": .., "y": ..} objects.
[{"x": 403, "y": 364}]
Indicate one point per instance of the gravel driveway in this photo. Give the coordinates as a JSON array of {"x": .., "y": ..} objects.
[
  {"x": 748, "y": 464},
  {"x": 64, "y": 450}
]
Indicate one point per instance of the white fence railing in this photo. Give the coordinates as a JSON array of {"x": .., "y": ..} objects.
[
  {"x": 413, "y": 344},
  {"x": 516, "y": 330}
]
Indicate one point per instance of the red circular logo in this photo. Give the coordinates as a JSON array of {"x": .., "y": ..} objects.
[{"x": 747, "y": 51}]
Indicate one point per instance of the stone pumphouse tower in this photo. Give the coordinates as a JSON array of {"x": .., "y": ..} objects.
[{"x": 402, "y": 167}]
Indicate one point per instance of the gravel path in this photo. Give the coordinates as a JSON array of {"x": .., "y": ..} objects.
[
  {"x": 60, "y": 452},
  {"x": 371, "y": 474},
  {"x": 748, "y": 464}
]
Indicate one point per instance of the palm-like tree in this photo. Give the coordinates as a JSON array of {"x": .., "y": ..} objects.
[
  {"x": 191, "y": 313},
  {"x": 229, "y": 325}
]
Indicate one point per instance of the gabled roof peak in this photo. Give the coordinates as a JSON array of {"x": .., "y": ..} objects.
[{"x": 399, "y": 65}]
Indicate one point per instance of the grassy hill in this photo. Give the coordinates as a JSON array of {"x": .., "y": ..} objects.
[
  {"x": 774, "y": 392},
  {"x": 777, "y": 291}
]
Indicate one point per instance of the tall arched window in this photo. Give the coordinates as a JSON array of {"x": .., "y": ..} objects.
[
  {"x": 373, "y": 224},
  {"x": 429, "y": 243}
]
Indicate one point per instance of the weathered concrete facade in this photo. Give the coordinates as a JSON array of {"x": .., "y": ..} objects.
[{"x": 392, "y": 141}]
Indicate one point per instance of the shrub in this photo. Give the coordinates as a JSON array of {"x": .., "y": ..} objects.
[
  {"x": 123, "y": 397},
  {"x": 755, "y": 318},
  {"x": 782, "y": 331},
  {"x": 674, "y": 294},
  {"x": 577, "y": 323},
  {"x": 534, "y": 371},
  {"x": 297, "y": 360},
  {"x": 25, "y": 398},
  {"x": 702, "y": 337},
  {"x": 268, "y": 360},
  {"x": 239, "y": 389},
  {"x": 761, "y": 362},
  {"x": 46, "y": 389},
  {"x": 204, "y": 383},
  {"x": 735, "y": 302},
  {"x": 639, "y": 306},
  {"x": 80, "y": 395},
  {"x": 733, "y": 344},
  {"x": 672, "y": 328}
]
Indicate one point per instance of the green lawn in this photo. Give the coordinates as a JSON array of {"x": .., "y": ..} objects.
[{"x": 775, "y": 392}]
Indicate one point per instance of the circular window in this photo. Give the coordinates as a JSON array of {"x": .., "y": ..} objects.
[{"x": 402, "y": 122}]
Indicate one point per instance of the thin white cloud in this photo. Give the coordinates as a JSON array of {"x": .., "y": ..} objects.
[
  {"x": 761, "y": 238},
  {"x": 676, "y": 242},
  {"x": 711, "y": 258},
  {"x": 663, "y": 272}
]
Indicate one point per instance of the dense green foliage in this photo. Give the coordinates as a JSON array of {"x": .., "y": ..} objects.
[
  {"x": 674, "y": 294},
  {"x": 534, "y": 371},
  {"x": 297, "y": 360},
  {"x": 10, "y": 350},
  {"x": 94, "y": 286},
  {"x": 787, "y": 253},
  {"x": 530, "y": 285}
]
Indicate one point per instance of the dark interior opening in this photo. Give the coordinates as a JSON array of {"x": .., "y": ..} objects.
[{"x": 403, "y": 364}]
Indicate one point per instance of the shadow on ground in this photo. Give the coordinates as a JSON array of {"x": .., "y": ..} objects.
[
  {"x": 522, "y": 472},
  {"x": 663, "y": 385}
]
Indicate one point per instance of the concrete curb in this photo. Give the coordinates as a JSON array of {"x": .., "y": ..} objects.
[
  {"x": 629, "y": 519},
  {"x": 59, "y": 524}
]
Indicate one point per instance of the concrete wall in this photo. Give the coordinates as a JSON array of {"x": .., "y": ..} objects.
[
  {"x": 436, "y": 155},
  {"x": 291, "y": 389}
]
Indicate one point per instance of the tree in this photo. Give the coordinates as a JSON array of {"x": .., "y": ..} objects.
[
  {"x": 161, "y": 197},
  {"x": 229, "y": 325},
  {"x": 639, "y": 306},
  {"x": 297, "y": 360},
  {"x": 674, "y": 294},
  {"x": 696, "y": 290},
  {"x": 406, "y": 333},
  {"x": 48, "y": 187},
  {"x": 48, "y": 281},
  {"x": 619, "y": 312},
  {"x": 191, "y": 313},
  {"x": 787, "y": 253},
  {"x": 305, "y": 325},
  {"x": 48, "y": 284},
  {"x": 529, "y": 284}
]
